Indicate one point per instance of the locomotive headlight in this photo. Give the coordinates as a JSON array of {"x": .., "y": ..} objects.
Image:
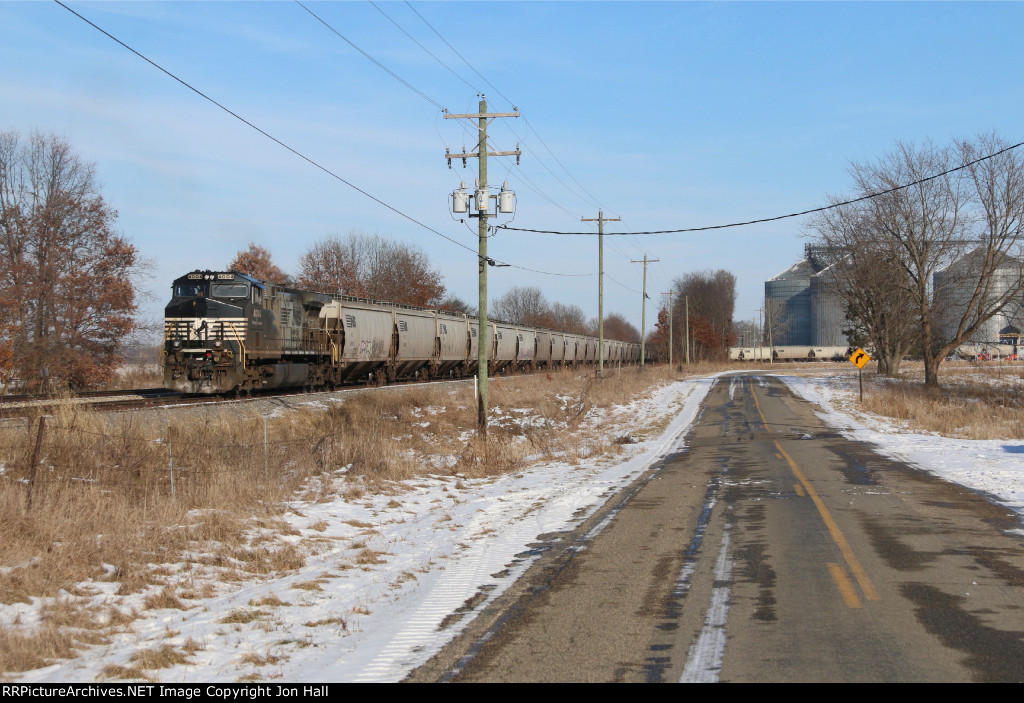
[
  {"x": 176, "y": 344},
  {"x": 218, "y": 344}
]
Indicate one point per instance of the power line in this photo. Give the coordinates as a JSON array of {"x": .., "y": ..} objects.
[
  {"x": 458, "y": 54},
  {"x": 402, "y": 29},
  {"x": 261, "y": 131},
  {"x": 379, "y": 65},
  {"x": 592, "y": 199},
  {"x": 302, "y": 156},
  {"x": 793, "y": 214}
]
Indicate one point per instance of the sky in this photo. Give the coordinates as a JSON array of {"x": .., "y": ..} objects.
[
  {"x": 459, "y": 539},
  {"x": 668, "y": 115}
]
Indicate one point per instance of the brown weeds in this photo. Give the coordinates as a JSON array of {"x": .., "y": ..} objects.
[{"x": 117, "y": 495}]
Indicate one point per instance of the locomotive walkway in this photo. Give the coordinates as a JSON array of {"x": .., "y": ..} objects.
[{"x": 772, "y": 549}]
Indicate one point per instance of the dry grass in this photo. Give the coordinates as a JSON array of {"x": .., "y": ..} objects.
[
  {"x": 243, "y": 616},
  {"x": 116, "y": 671},
  {"x": 106, "y": 504},
  {"x": 161, "y": 657},
  {"x": 973, "y": 402}
]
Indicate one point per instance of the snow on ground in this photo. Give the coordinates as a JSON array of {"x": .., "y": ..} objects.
[
  {"x": 373, "y": 610},
  {"x": 995, "y": 467}
]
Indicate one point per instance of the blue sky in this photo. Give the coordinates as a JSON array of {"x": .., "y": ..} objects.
[{"x": 666, "y": 114}]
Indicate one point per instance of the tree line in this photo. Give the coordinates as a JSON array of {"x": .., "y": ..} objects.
[{"x": 699, "y": 314}]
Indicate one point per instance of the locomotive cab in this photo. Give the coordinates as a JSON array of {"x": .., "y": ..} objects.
[{"x": 205, "y": 328}]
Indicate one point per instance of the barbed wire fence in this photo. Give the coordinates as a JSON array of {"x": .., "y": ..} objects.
[{"x": 177, "y": 461}]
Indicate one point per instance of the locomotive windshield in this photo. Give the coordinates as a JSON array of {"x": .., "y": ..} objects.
[
  {"x": 230, "y": 290},
  {"x": 189, "y": 290}
]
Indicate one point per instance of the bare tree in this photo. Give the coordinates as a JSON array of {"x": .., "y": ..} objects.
[
  {"x": 950, "y": 243},
  {"x": 67, "y": 280},
  {"x": 523, "y": 306},
  {"x": 869, "y": 281},
  {"x": 617, "y": 327},
  {"x": 569, "y": 318},
  {"x": 453, "y": 303},
  {"x": 370, "y": 266},
  {"x": 256, "y": 262}
]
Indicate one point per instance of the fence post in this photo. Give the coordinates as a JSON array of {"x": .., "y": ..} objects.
[
  {"x": 266, "y": 470},
  {"x": 33, "y": 462},
  {"x": 170, "y": 460}
]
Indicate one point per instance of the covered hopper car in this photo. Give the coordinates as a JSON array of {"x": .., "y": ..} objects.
[{"x": 228, "y": 332}]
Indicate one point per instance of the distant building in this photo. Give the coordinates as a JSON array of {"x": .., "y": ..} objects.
[
  {"x": 804, "y": 307},
  {"x": 955, "y": 285}
]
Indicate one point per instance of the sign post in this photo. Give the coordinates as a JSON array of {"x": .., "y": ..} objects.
[{"x": 859, "y": 358}]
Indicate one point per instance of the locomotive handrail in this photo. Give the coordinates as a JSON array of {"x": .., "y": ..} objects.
[{"x": 241, "y": 343}]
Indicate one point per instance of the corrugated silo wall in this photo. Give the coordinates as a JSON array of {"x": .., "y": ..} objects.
[
  {"x": 952, "y": 301},
  {"x": 792, "y": 298},
  {"x": 828, "y": 313}
]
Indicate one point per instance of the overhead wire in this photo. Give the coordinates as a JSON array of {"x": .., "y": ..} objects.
[
  {"x": 851, "y": 201},
  {"x": 492, "y": 261},
  {"x": 263, "y": 132},
  {"x": 379, "y": 65},
  {"x": 402, "y": 29},
  {"x": 455, "y": 51},
  {"x": 588, "y": 197}
]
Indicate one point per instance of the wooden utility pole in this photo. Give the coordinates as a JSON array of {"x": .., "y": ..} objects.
[
  {"x": 483, "y": 212},
  {"x": 643, "y": 308},
  {"x": 600, "y": 220}
]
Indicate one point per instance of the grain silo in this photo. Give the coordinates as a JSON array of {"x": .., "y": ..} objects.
[
  {"x": 828, "y": 311},
  {"x": 956, "y": 285},
  {"x": 788, "y": 302}
]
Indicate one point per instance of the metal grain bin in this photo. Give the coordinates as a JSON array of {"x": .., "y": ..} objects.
[
  {"x": 828, "y": 312},
  {"x": 788, "y": 297}
]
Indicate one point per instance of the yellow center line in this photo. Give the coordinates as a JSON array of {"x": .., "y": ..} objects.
[
  {"x": 846, "y": 589},
  {"x": 799, "y": 489},
  {"x": 837, "y": 536}
]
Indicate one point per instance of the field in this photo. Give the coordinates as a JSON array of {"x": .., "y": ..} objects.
[
  {"x": 164, "y": 503},
  {"x": 136, "y": 512}
]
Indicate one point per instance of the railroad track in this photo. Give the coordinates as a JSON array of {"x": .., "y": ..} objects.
[
  {"x": 13, "y": 406},
  {"x": 130, "y": 399}
]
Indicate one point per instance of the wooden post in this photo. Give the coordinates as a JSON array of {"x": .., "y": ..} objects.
[{"x": 33, "y": 462}]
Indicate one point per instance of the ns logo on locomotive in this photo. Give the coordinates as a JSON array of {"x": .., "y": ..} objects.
[{"x": 225, "y": 331}]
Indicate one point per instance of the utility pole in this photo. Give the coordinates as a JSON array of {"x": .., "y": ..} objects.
[
  {"x": 482, "y": 199},
  {"x": 670, "y": 295},
  {"x": 643, "y": 307},
  {"x": 601, "y": 219}
]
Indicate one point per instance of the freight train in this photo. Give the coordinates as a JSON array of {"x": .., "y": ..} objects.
[
  {"x": 228, "y": 332},
  {"x": 789, "y": 353}
]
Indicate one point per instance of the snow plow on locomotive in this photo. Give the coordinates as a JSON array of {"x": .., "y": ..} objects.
[{"x": 228, "y": 332}]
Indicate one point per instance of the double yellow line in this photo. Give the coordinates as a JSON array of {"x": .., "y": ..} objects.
[{"x": 846, "y": 589}]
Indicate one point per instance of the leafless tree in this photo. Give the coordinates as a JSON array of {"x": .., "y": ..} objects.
[
  {"x": 453, "y": 303},
  {"x": 869, "y": 282},
  {"x": 523, "y": 305},
  {"x": 370, "y": 266},
  {"x": 256, "y": 262},
  {"x": 617, "y": 327},
  {"x": 67, "y": 280},
  {"x": 950, "y": 242},
  {"x": 569, "y": 318}
]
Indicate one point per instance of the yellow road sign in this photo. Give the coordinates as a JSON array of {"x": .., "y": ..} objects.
[{"x": 859, "y": 358}]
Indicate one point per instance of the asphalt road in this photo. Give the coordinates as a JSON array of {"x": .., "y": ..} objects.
[{"x": 770, "y": 549}]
